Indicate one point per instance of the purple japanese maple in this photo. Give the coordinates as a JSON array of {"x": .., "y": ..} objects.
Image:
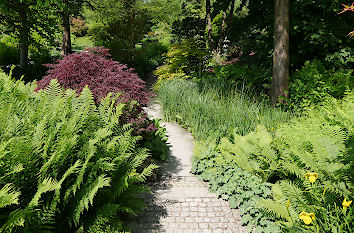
[{"x": 94, "y": 68}]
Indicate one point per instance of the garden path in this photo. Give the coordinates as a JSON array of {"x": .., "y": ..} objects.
[{"x": 180, "y": 202}]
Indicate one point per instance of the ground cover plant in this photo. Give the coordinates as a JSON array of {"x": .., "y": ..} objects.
[
  {"x": 92, "y": 67},
  {"x": 66, "y": 164},
  {"x": 243, "y": 189}
]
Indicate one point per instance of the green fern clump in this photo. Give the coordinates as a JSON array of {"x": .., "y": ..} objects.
[
  {"x": 319, "y": 142},
  {"x": 66, "y": 165},
  {"x": 252, "y": 152}
]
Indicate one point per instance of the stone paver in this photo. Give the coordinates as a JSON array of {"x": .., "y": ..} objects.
[{"x": 180, "y": 203}]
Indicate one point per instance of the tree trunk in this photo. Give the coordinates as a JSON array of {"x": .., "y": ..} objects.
[
  {"x": 225, "y": 26},
  {"x": 24, "y": 34},
  {"x": 66, "y": 44},
  {"x": 209, "y": 25},
  {"x": 231, "y": 14},
  {"x": 281, "y": 51},
  {"x": 222, "y": 33}
]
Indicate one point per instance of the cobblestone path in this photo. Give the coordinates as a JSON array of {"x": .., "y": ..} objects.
[{"x": 180, "y": 202}]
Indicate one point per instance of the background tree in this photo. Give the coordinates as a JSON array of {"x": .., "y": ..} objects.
[
  {"x": 119, "y": 25},
  {"x": 23, "y": 19},
  {"x": 281, "y": 50},
  {"x": 66, "y": 10},
  {"x": 210, "y": 40}
]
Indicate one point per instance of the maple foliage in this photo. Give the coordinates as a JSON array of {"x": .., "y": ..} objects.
[
  {"x": 92, "y": 67},
  {"x": 345, "y": 9}
]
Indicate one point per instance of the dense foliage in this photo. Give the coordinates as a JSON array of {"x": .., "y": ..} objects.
[
  {"x": 183, "y": 60},
  {"x": 243, "y": 189},
  {"x": 314, "y": 82},
  {"x": 66, "y": 164},
  {"x": 102, "y": 75},
  {"x": 262, "y": 159},
  {"x": 93, "y": 68}
]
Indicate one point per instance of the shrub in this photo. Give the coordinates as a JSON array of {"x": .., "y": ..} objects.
[
  {"x": 148, "y": 56},
  {"x": 92, "y": 67},
  {"x": 183, "y": 60},
  {"x": 314, "y": 82},
  {"x": 8, "y": 55},
  {"x": 65, "y": 163},
  {"x": 253, "y": 77},
  {"x": 79, "y": 27}
]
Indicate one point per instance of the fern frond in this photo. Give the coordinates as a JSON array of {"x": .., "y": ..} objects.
[
  {"x": 8, "y": 196},
  {"x": 279, "y": 210},
  {"x": 89, "y": 195}
]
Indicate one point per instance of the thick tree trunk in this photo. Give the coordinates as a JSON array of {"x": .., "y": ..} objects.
[
  {"x": 24, "y": 34},
  {"x": 222, "y": 33},
  {"x": 66, "y": 43},
  {"x": 281, "y": 51},
  {"x": 209, "y": 25}
]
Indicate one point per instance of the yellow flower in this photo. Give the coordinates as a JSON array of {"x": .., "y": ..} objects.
[
  {"x": 324, "y": 192},
  {"x": 307, "y": 217},
  {"x": 346, "y": 203},
  {"x": 288, "y": 203},
  {"x": 312, "y": 176}
]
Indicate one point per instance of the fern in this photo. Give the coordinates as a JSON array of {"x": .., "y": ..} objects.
[
  {"x": 68, "y": 158},
  {"x": 89, "y": 195},
  {"x": 319, "y": 141},
  {"x": 252, "y": 152},
  {"x": 8, "y": 196}
]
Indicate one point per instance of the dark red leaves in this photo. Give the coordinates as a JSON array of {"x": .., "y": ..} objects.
[{"x": 102, "y": 75}]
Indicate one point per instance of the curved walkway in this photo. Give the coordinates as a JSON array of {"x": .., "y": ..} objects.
[{"x": 180, "y": 202}]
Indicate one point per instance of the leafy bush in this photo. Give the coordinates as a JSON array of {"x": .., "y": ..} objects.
[
  {"x": 314, "y": 82},
  {"x": 8, "y": 55},
  {"x": 121, "y": 27},
  {"x": 183, "y": 60},
  {"x": 92, "y": 67},
  {"x": 341, "y": 59},
  {"x": 148, "y": 56},
  {"x": 79, "y": 27},
  {"x": 253, "y": 77},
  {"x": 156, "y": 141},
  {"x": 65, "y": 163}
]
